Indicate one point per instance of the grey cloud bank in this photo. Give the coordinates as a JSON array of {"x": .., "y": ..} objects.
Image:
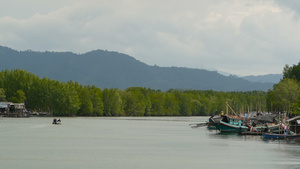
[{"x": 238, "y": 37}]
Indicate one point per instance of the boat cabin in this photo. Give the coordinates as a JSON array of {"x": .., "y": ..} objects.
[{"x": 232, "y": 120}]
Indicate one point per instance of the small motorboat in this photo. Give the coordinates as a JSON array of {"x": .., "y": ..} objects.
[{"x": 56, "y": 121}]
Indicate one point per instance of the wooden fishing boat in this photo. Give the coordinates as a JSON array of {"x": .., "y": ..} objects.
[
  {"x": 226, "y": 123},
  {"x": 280, "y": 136},
  {"x": 269, "y": 127}
]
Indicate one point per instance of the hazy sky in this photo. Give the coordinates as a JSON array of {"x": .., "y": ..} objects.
[{"x": 243, "y": 37}]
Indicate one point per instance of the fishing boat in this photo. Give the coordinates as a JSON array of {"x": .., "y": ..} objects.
[
  {"x": 228, "y": 123},
  {"x": 225, "y": 123},
  {"x": 287, "y": 133},
  {"x": 266, "y": 123},
  {"x": 274, "y": 128},
  {"x": 258, "y": 130},
  {"x": 290, "y": 131},
  {"x": 280, "y": 136}
]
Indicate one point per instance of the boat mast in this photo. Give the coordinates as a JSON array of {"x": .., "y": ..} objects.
[
  {"x": 227, "y": 108},
  {"x": 227, "y": 105}
]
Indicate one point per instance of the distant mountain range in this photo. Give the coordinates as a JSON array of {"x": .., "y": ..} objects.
[
  {"x": 106, "y": 69},
  {"x": 273, "y": 78}
]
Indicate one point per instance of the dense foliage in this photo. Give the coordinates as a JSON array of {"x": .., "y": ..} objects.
[
  {"x": 285, "y": 96},
  {"x": 292, "y": 72},
  {"x": 73, "y": 99}
]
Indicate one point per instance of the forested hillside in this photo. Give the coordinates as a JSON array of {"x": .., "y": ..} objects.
[
  {"x": 114, "y": 70},
  {"x": 73, "y": 99}
]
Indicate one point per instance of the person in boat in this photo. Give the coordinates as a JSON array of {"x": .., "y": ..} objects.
[
  {"x": 249, "y": 127},
  {"x": 287, "y": 130},
  {"x": 267, "y": 128},
  {"x": 253, "y": 129},
  {"x": 54, "y": 121}
]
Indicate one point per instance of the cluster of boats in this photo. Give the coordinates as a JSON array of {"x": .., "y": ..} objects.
[{"x": 266, "y": 125}]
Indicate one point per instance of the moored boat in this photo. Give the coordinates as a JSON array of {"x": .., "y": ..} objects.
[
  {"x": 266, "y": 123},
  {"x": 268, "y": 127},
  {"x": 280, "y": 136},
  {"x": 226, "y": 123}
]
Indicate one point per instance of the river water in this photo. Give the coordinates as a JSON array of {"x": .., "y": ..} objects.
[{"x": 135, "y": 143}]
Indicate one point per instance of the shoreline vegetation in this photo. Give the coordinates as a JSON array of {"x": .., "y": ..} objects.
[{"x": 73, "y": 99}]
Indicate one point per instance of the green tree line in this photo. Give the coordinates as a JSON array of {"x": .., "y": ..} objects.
[
  {"x": 73, "y": 99},
  {"x": 285, "y": 96}
]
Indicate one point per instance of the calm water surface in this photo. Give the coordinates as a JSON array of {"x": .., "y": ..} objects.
[{"x": 135, "y": 143}]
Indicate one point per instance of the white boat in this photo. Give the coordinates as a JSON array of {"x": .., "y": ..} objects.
[{"x": 56, "y": 121}]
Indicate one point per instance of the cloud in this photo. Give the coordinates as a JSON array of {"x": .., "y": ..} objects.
[
  {"x": 291, "y": 4},
  {"x": 241, "y": 37}
]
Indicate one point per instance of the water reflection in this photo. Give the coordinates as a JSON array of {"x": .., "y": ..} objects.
[{"x": 255, "y": 151}]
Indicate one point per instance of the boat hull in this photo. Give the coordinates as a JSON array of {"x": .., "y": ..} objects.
[
  {"x": 226, "y": 127},
  {"x": 279, "y": 136}
]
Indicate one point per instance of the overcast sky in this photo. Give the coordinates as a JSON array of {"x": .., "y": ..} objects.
[{"x": 242, "y": 37}]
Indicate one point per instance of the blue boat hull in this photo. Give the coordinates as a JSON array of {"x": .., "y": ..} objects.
[{"x": 279, "y": 136}]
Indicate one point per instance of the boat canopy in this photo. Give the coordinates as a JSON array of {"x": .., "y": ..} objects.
[{"x": 267, "y": 118}]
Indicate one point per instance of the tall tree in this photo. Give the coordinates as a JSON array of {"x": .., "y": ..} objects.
[
  {"x": 86, "y": 107},
  {"x": 184, "y": 101},
  {"x": 112, "y": 103},
  {"x": 97, "y": 100},
  {"x": 68, "y": 103},
  {"x": 171, "y": 105},
  {"x": 2, "y": 95},
  {"x": 157, "y": 103},
  {"x": 19, "y": 97}
]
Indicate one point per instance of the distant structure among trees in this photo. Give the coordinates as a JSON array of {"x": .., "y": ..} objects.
[{"x": 9, "y": 109}]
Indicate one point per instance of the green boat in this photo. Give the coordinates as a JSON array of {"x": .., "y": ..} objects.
[{"x": 228, "y": 124}]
